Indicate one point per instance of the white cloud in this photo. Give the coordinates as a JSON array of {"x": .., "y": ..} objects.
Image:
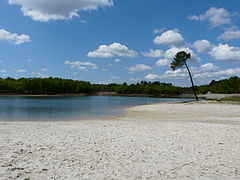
[
  {"x": 215, "y": 16},
  {"x": 40, "y": 74},
  {"x": 179, "y": 73},
  {"x": 3, "y": 71},
  {"x": 208, "y": 67},
  {"x": 218, "y": 74},
  {"x": 45, "y": 10},
  {"x": 152, "y": 76},
  {"x": 109, "y": 81},
  {"x": 170, "y": 37},
  {"x": 202, "y": 46},
  {"x": 230, "y": 34},
  {"x": 81, "y": 65},
  {"x": 170, "y": 53},
  {"x": 82, "y": 68},
  {"x": 138, "y": 68},
  {"x": 203, "y": 74},
  {"x": 115, "y": 49},
  {"x": 117, "y": 60},
  {"x": 13, "y": 37},
  {"x": 225, "y": 52},
  {"x": 44, "y": 69},
  {"x": 21, "y": 70},
  {"x": 163, "y": 63},
  {"x": 153, "y": 53},
  {"x": 114, "y": 77},
  {"x": 135, "y": 79},
  {"x": 157, "y": 31}
]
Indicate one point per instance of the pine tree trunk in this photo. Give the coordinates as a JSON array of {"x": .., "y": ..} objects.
[{"x": 190, "y": 75}]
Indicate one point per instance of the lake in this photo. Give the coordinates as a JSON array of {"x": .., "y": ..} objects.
[{"x": 51, "y": 108}]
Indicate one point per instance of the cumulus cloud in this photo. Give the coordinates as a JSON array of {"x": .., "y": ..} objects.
[
  {"x": 138, "y": 68},
  {"x": 179, "y": 73},
  {"x": 81, "y": 65},
  {"x": 170, "y": 53},
  {"x": 21, "y": 70},
  {"x": 215, "y": 16},
  {"x": 225, "y": 52},
  {"x": 170, "y": 37},
  {"x": 112, "y": 50},
  {"x": 45, "y": 10},
  {"x": 13, "y": 37},
  {"x": 202, "y": 46},
  {"x": 117, "y": 60},
  {"x": 163, "y": 63},
  {"x": 204, "y": 73},
  {"x": 208, "y": 67},
  {"x": 152, "y": 77},
  {"x": 221, "y": 74},
  {"x": 230, "y": 34},
  {"x": 153, "y": 53}
]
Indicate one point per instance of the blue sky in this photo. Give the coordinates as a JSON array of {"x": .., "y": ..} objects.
[{"x": 104, "y": 41}]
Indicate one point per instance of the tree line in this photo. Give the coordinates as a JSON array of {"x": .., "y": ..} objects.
[
  {"x": 67, "y": 86},
  {"x": 52, "y": 86},
  {"x": 226, "y": 86},
  {"x": 152, "y": 88},
  {"x": 44, "y": 86}
]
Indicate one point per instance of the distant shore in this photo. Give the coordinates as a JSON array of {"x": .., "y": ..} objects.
[
  {"x": 96, "y": 94},
  {"x": 80, "y": 94},
  {"x": 209, "y": 96},
  {"x": 194, "y": 140}
]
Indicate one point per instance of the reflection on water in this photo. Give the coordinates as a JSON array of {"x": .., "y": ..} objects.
[{"x": 68, "y": 107}]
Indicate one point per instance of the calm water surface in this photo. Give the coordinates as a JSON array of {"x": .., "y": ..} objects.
[{"x": 51, "y": 108}]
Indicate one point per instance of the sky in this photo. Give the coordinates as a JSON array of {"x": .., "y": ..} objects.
[{"x": 116, "y": 41}]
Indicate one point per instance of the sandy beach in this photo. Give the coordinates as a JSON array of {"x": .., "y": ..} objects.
[{"x": 195, "y": 141}]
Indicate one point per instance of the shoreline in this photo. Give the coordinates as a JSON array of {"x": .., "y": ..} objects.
[
  {"x": 225, "y": 112},
  {"x": 210, "y": 97},
  {"x": 183, "y": 96},
  {"x": 194, "y": 140}
]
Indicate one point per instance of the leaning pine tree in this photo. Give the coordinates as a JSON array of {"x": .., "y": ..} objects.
[{"x": 179, "y": 62}]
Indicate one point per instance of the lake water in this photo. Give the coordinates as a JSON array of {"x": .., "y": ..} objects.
[{"x": 50, "y": 108}]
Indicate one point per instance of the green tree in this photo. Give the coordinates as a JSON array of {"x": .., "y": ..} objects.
[{"x": 179, "y": 62}]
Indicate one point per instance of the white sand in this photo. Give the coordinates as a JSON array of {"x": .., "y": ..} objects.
[{"x": 161, "y": 141}]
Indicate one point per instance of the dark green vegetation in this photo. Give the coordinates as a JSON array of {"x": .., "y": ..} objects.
[
  {"x": 66, "y": 86},
  {"x": 44, "y": 86},
  {"x": 180, "y": 60},
  {"x": 226, "y": 86},
  {"x": 50, "y": 86},
  {"x": 231, "y": 99},
  {"x": 152, "y": 88}
]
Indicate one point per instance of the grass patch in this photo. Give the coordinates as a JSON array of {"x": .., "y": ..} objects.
[{"x": 231, "y": 99}]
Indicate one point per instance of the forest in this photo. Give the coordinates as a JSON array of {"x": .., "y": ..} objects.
[
  {"x": 51, "y": 86},
  {"x": 226, "y": 86}
]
